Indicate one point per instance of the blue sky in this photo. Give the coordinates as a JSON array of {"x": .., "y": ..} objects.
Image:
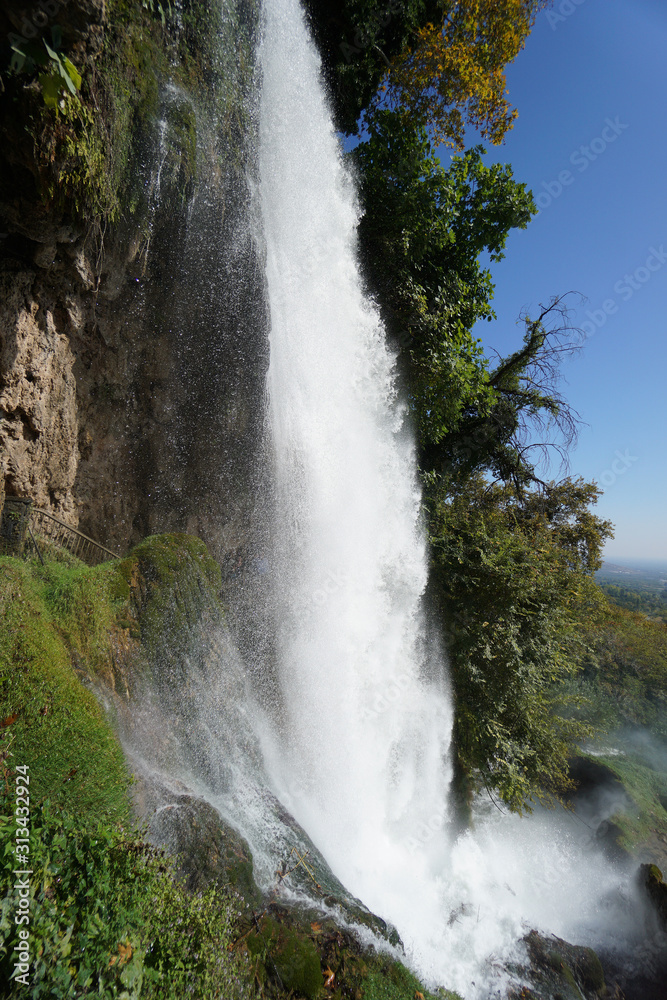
[{"x": 592, "y": 75}]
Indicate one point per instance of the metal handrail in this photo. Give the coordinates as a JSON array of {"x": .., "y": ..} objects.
[{"x": 81, "y": 546}]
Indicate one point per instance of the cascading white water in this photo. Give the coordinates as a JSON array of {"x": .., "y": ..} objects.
[
  {"x": 365, "y": 720},
  {"x": 359, "y": 742},
  {"x": 366, "y": 724}
]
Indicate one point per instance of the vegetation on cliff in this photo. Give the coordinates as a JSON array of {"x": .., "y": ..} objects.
[
  {"x": 81, "y": 117},
  {"x": 109, "y": 917},
  {"x": 69, "y": 628},
  {"x": 57, "y": 618},
  {"x": 109, "y": 913},
  {"x": 512, "y": 577},
  {"x": 513, "y": 555}
]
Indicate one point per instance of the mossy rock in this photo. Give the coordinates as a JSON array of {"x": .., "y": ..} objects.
[
  {"x": 53, "y": 722},
  {"x": 562, "y": 971},
  {"x": 171, "y": 584},
  {"x": 348, "y": 969},
  {"x": 286, "y": 958},
  {"x": 209, "y": 850},
  {"x": 651, "y": 880}
]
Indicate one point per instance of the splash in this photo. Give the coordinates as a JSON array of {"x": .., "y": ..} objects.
[{"x": 360, "y": 720}]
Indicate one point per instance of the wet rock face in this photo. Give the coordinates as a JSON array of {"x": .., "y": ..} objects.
[
  {"x": 38, "y": 410},
  {"x": 560, "y": 971},
  {"x": 133, "y": 354}
]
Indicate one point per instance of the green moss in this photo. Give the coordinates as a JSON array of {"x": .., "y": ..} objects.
[
  {"x": 173, "y": 584},
  {"x": 589, "y": 968},
  {"x": 349, "y": 969},
  {"x": 560, "y": 969},
  {"x": 646, "y": 788},
  {"x": 395, "y": 982},
  {"x": 55, "y": 724},
  {"x": 281, "y": 954},
  {"x": 73, "y": 160}
]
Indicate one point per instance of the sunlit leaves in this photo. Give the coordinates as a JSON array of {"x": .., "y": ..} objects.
[
  {"x": 423, "y": 232},
  {"x": 452, "y": 74},
  {"x": 512, "y": 575}
]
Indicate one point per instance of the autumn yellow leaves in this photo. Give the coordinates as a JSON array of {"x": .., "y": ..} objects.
[{"x": 453, "y": 74}]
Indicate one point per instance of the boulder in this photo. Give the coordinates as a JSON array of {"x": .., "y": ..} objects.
[
  {"x": 651, "y": 880},
  {"x": 558, "y": 970}
]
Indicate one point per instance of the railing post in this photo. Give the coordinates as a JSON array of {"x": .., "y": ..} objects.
[{"x": 14, "y": 525}]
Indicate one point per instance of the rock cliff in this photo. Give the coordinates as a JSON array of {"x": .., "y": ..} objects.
[{"x": 132, "y": 317}]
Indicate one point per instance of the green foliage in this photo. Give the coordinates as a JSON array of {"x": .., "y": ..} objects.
[
  {"x": 512, "y": 576},
  {"x": 107, "y": 917},
  {"x": 650, "y": 601},
  {"x": 58, "y": 77},
  {"x": 625, "y": 668},
  {"x": 422, "y": 234},
  {"x": 51, "y": 616}
]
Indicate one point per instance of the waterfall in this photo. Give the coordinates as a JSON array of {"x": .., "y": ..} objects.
[
  {"x": 359, "y": 716},
  {"x": 365, "y": 720}
]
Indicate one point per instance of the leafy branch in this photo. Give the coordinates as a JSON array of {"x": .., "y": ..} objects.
[{"x": 59, "y": 77}]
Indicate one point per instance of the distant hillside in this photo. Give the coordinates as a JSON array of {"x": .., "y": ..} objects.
[
  {"x": 637, "y": 589},
  {"x": 608, "y": 567}
]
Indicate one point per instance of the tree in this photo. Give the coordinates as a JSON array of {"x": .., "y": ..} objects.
[
  {"x": 512, "y": 576},
  {"x": 358, "y": 40},
  {"x": 523, "y": 417},
  {"x": 452, "y": 74},
  {"x": 422, "y": 234}
]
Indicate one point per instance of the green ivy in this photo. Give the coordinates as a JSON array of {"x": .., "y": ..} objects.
[{"x": 108, "y": 918}]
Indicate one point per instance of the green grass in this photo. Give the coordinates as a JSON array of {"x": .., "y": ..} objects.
[
  {"x": 54, "y": 618},
  {"x": 397, "y": 983},
  {"x": 646, "y": 787}
]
